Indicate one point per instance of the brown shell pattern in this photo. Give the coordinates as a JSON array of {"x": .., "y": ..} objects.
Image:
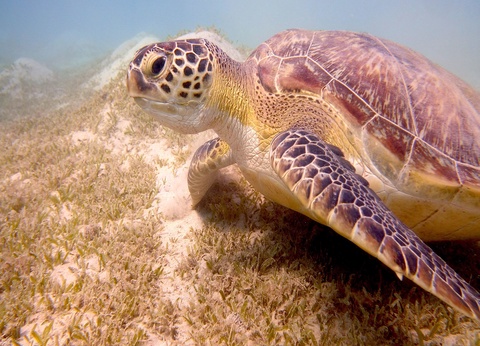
[{"x": 428, "y": 118}]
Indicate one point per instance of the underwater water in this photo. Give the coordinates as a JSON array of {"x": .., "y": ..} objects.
[
  {"x": 99, "y": 243},
  {"x": 65, "y": 33}
]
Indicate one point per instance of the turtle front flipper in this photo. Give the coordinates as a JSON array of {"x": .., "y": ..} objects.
[
  {"x": 329, "y": 191},
  {"x": 207, "y": 160}
]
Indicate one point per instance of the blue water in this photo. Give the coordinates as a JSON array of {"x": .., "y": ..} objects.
[{"x": 66, "y": 31}]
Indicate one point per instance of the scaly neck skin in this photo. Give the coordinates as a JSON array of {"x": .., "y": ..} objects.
[
  {"x": 232, "y": 112},
  {"x": 229, "y": 102}
]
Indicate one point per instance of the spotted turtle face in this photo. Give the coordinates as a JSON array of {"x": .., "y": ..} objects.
[{"x": 171, "y": 79}]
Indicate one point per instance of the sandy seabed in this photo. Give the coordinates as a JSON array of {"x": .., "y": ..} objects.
[{"x": 100, "y": 244}]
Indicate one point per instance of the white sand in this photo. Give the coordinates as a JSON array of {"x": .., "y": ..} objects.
[
  {"x": 23, "y": 72},
  {"x": 171, "y": 205},
  {"x": 117, "y": 61}
]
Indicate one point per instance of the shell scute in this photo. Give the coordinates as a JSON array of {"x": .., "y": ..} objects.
[
  {"x": 355, "y": 109},
  {"x": 397, "y": 140},
  {"x": 469, "y": 175},
  {"x": 294, "y": 43},
  {"x": 389, "y": 97},
  {"x": 301, "y": 74},
  {"x": 368, "y": 71},
  {"x": 267, "y": 70},
  {"x": 427, "y": 159}
]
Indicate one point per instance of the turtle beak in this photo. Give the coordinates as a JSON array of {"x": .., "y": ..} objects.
[{"x": 137, "y": 86}]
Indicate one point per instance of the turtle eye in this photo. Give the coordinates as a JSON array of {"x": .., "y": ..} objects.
[{"x": 158, "y": 65}]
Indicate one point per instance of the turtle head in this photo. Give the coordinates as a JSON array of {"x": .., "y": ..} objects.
[{"x": 171, "y": 81}]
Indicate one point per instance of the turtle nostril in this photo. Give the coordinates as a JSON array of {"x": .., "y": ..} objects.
[{"x": 158, "y": 65}]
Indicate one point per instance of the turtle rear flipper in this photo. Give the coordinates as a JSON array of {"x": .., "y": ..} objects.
[{"x": 331, "y": 193}]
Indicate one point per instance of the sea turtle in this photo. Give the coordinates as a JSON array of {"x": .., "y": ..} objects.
[{"x": 354, "y": 131}]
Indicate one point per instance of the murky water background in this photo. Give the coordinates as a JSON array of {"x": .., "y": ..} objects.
[
  {"x": 98, "y": 241},
  {"x": 62, "y": 34}
]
